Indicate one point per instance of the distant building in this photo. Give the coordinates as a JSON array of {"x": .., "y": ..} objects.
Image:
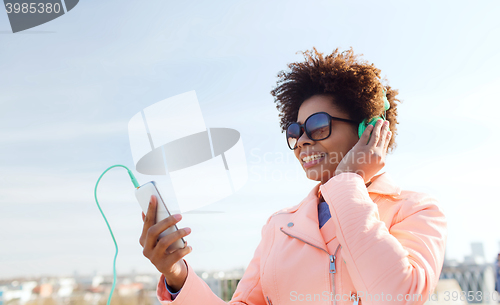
[{"x": 474, "y": 275}]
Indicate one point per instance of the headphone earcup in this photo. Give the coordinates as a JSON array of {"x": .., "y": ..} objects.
[
  {"x": 362, "y": 126},
  {"x": 374, "y": 120}
]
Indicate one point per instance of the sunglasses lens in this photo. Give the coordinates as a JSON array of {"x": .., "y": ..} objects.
[
  {"x": 318, "y": 126},
  {"x": 292, "y": 135}
]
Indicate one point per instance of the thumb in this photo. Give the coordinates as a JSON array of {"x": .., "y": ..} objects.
[{"x": 143, "y": 216}]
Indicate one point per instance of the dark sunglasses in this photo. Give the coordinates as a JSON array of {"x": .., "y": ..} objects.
[{"x": 317, "y": 127}]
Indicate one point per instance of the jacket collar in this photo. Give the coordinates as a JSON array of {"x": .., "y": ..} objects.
[
  {"x": 380, "y": 184},
  {"x": 305, "y": 224},
  {"x": 383, "y": 184}
]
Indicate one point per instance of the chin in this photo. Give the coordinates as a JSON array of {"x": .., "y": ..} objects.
[
  {"x": 324, "y": 175},
  {"x": 314, "y": 178},
  {"x": 314, "y": 175}
]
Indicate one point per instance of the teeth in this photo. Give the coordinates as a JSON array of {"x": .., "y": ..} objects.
[{"x": 313, "y": 157}]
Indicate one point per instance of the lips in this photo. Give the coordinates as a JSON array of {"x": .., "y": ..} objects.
[
  {"x": 313, "y": 162},
  {"x": 312, "y": 153}
]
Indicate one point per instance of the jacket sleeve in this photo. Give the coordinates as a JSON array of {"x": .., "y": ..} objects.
[
  {"x": 195, "y": 290},
  {"x": 404, "y": 261},
  {"x": 172, "y": 294}
]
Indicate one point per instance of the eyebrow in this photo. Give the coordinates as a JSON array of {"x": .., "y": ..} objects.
[{"x": 302, "y": 122}]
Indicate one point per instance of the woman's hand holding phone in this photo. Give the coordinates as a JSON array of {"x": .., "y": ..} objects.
[
  {"x": 366, "y": 158},
  {"x": 168, "y": 263}
]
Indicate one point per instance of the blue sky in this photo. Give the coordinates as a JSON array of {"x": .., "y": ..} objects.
[{"x": 69, "y": 87}]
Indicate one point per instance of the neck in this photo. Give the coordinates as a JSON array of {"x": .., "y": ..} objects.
[{"x": 322, "y": 199}]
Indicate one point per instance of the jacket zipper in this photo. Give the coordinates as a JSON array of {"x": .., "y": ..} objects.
[
  {"x": 332, "y": 261},
  {"x": 333, "y": 271}
]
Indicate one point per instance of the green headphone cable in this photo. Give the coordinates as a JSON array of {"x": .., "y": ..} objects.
[{"x": 136, "y": 185}]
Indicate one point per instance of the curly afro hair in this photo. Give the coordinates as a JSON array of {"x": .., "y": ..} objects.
[{"x": 354, "y": 84}]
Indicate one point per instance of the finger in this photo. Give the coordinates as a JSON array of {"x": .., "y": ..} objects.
[
  {"x": 383, "y": 134},
  {"x": 376, "y": 133},
  {"x": 143, "y": 216},
  {"x": 155, "y": 231},
  {"x": 387, "y": 140},
  {"x": 149, "y": 221},
  {"x": 366, "y": 134},
  {"x": 169, "y": 239},
  {"x": 178, "y": 254}
]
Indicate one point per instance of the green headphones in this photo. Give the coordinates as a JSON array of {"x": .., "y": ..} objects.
[{"x": 363, "y": 125}]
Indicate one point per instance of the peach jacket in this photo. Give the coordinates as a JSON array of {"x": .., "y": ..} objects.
[{"x": 384, "y": 246}]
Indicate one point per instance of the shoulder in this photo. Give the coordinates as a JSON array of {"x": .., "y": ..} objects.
[
  {"x": 412, "y": 202},
  {"x": 285, "y": 211}
]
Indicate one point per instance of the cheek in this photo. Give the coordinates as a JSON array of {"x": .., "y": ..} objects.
[
  {"x": 336, "y": 144},
  {"x": 338, "y": 147}
]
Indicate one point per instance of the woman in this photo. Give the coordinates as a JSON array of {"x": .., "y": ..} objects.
[{"x": 357, "y": 238}]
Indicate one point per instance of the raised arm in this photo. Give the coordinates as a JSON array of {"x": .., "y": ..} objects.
[{"x": 406, "y": 259}]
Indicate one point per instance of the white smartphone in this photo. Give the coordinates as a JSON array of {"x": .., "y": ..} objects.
[{"x": 143, "y": 195}]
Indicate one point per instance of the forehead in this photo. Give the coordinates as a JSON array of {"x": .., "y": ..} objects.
[{"x": 318, "y": 103}]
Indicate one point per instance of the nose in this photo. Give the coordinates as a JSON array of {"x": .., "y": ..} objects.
[{"x": 303, "y": 139}]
